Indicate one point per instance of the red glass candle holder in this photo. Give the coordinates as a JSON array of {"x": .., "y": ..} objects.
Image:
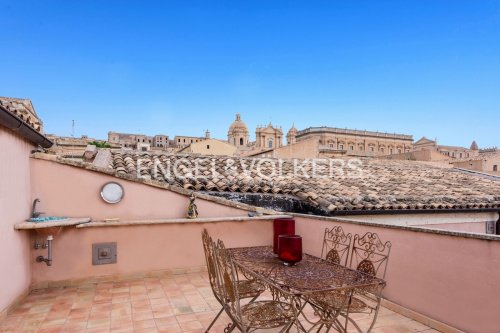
[
  {"x": 282, "y": 227},
  {"x": 290, "y": 249}
]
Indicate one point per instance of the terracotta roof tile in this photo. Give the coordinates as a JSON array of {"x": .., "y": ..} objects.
[{"x": 376, "y": 185}]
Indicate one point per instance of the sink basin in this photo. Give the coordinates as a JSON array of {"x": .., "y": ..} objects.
[{"x": 47, "y": 219}]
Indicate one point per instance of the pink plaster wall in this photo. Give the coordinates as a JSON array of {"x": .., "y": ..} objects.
[
  {"x": 476, "y": 227},
  {"x": 452, "y": 279},
  {"x": 71, "y": 191},
  {"x": 143, "y": 249},
  {"x": 15, "y": 206}
]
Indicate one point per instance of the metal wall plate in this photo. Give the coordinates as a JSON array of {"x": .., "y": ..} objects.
[
  {"x": 104, "y": 253},
  {"x": 490, "y": 227}
]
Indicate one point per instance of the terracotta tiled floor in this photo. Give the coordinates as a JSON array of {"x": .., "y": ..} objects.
[{"x": 180, "y": 303}]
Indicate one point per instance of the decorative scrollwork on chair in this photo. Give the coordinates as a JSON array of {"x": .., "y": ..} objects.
[{"x": 336, "y": 245}]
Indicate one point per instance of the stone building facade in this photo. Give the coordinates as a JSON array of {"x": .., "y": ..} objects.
[
  {"x": 210, "y": 147},
  {"x": 182, "y": 141},
  {"x": 488, "y": 162},
  {"x": 347, "y": 142},
  {"x": 23, "y": 108},
  {"x": 69, "y": 147},
  {"x": 268, "y": 137},
  {"x": 139, "y": 141},
  {"x": 448, "y": 151}
]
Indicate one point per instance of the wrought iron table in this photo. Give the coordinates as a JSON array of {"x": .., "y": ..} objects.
[{"x": 312, "y": 276}]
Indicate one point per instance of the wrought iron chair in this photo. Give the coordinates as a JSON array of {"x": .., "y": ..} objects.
[
  {"x": 336, "y": 245},
  {"x": 336, "y": 248},
  {"x": 246, "y": 288},
  {"x": 369, "y": 255},
  {"x": 265, "y": 314}
]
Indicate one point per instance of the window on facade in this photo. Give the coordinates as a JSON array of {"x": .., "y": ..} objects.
[
  {"x": 460, "y": 155},
  {"x": 330, "y": 145},
  {"x": 208, "y": 146},
  {"x": 241, "y": 141},
  {"x": 361, "y": 148},
  {"x": 270, "y": 143},
  {"x": 453, "y": 154},
  {"x": 341, "y": 147},
  {"x": 184, "y": 140},
  {"x": 372, "y": 149},
  {"x": 495, "y": 167},
  {"x": 391, "y": 151},
  {"x": 351, "y": 147},
  {"x": 382, "y": 149},
  {"x": 178, "y": 140},
  {"x": 399, "y": 151}
]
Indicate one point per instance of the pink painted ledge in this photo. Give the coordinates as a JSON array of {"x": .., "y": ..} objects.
[{"x": 119, "y": 223}]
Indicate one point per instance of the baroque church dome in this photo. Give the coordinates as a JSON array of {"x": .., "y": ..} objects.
[
  {"x": 238, "y": 133},
  {"x": 238, "y": 125}
]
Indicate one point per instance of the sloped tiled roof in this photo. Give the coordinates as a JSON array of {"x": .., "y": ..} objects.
[
  {"x": 23, "y": 108},
  {"x": 371, "y": 185}
]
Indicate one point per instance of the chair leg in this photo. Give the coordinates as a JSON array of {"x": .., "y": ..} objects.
[
  {"x": 213, "y": 321},
  {"x": 374, "y": 316},
  {"x": 355, "y": 325}
]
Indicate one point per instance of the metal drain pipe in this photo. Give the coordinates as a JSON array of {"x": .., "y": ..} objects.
[{"x": 47, "y": 260}]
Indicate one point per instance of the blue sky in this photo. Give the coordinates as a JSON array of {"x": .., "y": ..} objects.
[{"x": 423, "y": 67}]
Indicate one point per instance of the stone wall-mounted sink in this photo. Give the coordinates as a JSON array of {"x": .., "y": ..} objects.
[{"x": 51, "y": 225}]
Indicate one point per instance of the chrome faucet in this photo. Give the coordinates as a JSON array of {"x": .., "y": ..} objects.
[{"x": 34, "y": 213}]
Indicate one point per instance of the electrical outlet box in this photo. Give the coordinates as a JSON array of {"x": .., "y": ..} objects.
[
  {"x": 104, "y": 253},
  {"x": 490, "y": 227}
]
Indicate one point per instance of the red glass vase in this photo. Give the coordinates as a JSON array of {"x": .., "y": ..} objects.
[
  {"x": 290, "y": 249},
  {"x": 282, "y": 227}
]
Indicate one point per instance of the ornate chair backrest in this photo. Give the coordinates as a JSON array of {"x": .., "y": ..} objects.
[
  {"x": 336, "y": 245},
  {"x": 209, "y": 247},
  {"x": 370, "y": 255},
  {"x": 228, "y": 280}
]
